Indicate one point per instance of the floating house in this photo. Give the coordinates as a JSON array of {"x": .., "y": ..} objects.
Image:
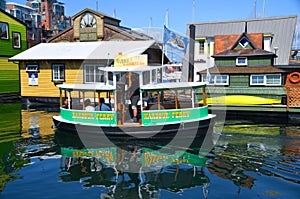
[
  {"x": 244, "y": 68},
  {"x": 245, "y": 57},
  {"x": 75, "y": 55}
]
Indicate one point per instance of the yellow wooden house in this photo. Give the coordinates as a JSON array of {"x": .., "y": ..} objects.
[
  {"x": 44, "y": 66},
  {"x": 75, "y": 55}
]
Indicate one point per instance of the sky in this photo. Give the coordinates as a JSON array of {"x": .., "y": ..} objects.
[{"x": 142, "y": 14}]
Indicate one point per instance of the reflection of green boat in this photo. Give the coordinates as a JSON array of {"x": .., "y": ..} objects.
[
  {"x": 152, "y": 158},
  {"x": 106, "y": 155},
  {"x": 107, "y": 167},
  {"x": 149, "y": 157},
  {"x": 133, "y": 166}
]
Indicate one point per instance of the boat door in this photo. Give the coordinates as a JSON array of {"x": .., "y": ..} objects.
[{"x": 120, "y": 97}]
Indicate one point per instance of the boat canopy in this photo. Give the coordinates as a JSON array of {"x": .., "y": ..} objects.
[
  {"x": 172, "y": 86},
  {"x": 86, "y": 87},
  {"x": 130, "y": 68}
]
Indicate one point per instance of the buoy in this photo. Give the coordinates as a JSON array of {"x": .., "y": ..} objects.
[{"x": 293, "y": 80}]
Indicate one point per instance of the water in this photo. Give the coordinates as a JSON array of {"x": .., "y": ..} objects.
[{"x": 249, "y": 160}]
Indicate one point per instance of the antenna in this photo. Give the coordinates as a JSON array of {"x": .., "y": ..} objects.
[
  {"x": 115, "y": 13},
  {"x": 193, "y": 11},
  {"x": 150, "y": 23},
  {"x": 167, "y": 18},
  {"x": 254, "y": 9},
  {"x": 264, "y": 8},
  {"x": 97, "y": 5}
]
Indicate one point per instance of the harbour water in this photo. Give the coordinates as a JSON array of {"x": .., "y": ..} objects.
[{"x": 250, "y": 159}]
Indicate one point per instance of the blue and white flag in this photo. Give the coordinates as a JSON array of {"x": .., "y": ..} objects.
[{"x": 175, "y": 41}]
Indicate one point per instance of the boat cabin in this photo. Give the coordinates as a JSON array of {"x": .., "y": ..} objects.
[{"x": 158, "y": 104}]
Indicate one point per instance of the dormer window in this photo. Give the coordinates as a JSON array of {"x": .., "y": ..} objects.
[
  {"x": 241, "y": 61},
  {"x": 244, "y": 42},
  {"x": 88, "y": 21}
]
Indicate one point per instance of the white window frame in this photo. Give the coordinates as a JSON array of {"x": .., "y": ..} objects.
[
  {"x": 94, "y": 73},
  {"x": 18, "y": 39},
  {"x": 32, "y": 68},
  {"x": 5, "y": 25},
  {"x": 244, "y": 45},
  {"x": 58, "y": 72},
  {"x": 241, "y": 64},
  {"x": 265, "y": 80},
  {"x": 213, "y": 79}
]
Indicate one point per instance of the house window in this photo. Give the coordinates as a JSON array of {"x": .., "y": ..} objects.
[
  {"x": 92, "y": 74},
  {"x": 216, "y": 79},
  {"x": 241, "y": 61},
  {"x": 201, "y": 46},
  {"x": 274, "y": 79},
  {"x": 265, "y": 80},
  {"x": 58, "y": 72},
  {"x": 257, "y": 79},
  {"x": 3, "y": 30},
  {"x": 16, "y": 39},
  {"x": 32, "y": 68},
  {"x": 267, "y": 43}
]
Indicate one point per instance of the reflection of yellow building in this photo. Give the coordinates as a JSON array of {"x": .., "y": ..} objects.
[{"x": 36, "y": 122}]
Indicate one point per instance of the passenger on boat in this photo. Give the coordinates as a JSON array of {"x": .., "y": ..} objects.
[
  {"x": 103, "y": 106},
  {"x": 66, "y": 104},
  {"x": 88, "y": 106},
  {"x": 135, "y": 97}
]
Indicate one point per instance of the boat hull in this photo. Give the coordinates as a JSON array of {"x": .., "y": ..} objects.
[{"x": 184, "y": 129}]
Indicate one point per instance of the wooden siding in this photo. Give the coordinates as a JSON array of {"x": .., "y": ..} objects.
[
  {"x": 5, "y": 65},
  {"x": 252, "y": 61},
  {"x": 47, "y": 88},
  {"x": 239, "y": 80},
  {"x": 271, "y": 92},
  {"x": 225, "y": 62},
  {"x": 6, "y": 46},
  {"x": 263, "y": 61}
]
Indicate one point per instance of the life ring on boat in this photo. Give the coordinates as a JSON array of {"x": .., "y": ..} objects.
[{"x": 293, "y": 80}]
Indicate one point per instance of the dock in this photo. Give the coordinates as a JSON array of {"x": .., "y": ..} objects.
[{"x": 272, "y": 113}]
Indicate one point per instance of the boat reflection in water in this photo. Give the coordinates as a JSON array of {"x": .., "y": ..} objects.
[{"x": 133, "y": 168}]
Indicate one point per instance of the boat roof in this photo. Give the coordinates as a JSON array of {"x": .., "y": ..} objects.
[
  {"x": 129, "y": 68},
  {"x": 86, "y": 87},
  {"x": 172, "y": 86}
]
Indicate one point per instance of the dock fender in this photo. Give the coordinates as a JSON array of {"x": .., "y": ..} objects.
[{"x": 292, "y": 79}]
